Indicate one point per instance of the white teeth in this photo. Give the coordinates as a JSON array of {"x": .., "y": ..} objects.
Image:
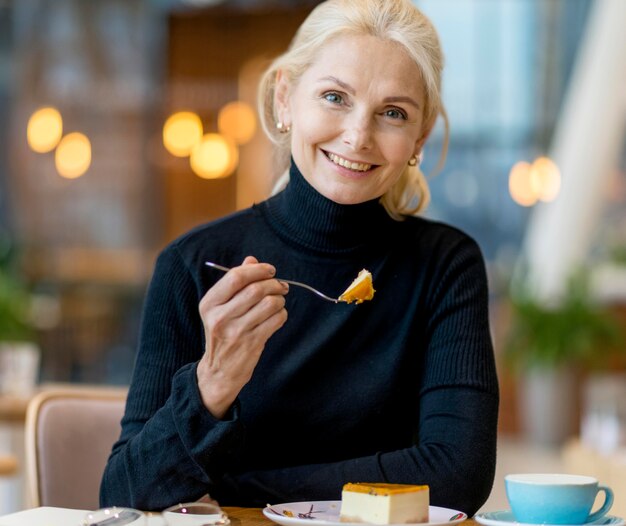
[{"x": 359, "y": 167}]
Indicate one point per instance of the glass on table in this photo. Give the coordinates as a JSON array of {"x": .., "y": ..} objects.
[
  {"x": 195, "y": 514},
  {"x": 115, "y": 516}
]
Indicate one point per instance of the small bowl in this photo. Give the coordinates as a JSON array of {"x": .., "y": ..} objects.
[
  {"x": 115, "y": 516},
  {"x": 195, "y": 514}
]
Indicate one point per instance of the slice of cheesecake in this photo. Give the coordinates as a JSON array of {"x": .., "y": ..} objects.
[
  {"x": 380, "y": 503},
  {"x": 360, "y": 290}
]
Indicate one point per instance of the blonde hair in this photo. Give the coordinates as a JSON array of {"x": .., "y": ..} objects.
[{"x": 395, "y": 20}]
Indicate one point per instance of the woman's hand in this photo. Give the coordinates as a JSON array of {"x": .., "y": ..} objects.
[{"x": 239, "y": 313}]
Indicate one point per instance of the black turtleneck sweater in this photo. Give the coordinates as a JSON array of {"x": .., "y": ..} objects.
[{"x": 399, "y": 389}]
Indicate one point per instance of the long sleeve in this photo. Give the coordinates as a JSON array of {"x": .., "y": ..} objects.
[
  {"x": 171, "y": 448},
  {"x": 454, "y": 454}
]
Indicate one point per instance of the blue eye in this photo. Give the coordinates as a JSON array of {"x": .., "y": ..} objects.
[
  {"x": 333, "y": 97},
  {"x": 395, "y": 114}
]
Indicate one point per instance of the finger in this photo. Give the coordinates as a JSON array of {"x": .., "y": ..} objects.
[
  {"x": 267, "y": 328},
  {"x": 244, "y": 311},
  {"x": 243, "y": 300},
  {"x": 258, "y": 315},
  {"x": 237, "y": 279},
  {"x": 248, "y": 260}
]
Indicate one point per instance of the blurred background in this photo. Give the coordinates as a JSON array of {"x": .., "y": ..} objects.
[{"x": 124, "y": 123}]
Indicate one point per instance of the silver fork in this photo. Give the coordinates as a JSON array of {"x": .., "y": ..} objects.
[{"x": 296, "y": 283}]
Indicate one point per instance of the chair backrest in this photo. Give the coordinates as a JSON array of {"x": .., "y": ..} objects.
[{"x": 69, "y": 435}]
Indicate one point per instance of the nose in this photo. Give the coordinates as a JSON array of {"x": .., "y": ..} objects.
[{"x": 358, "y": 133}]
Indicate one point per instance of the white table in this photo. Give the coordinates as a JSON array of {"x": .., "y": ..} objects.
[{"x": 47, "y": 516}]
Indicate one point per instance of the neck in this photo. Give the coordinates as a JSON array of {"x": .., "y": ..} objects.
[{"x": 304, "y": 216}]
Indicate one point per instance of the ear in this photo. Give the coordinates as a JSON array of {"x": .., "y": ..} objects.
[
  {"x": 281, "y": 98},
  {"x": 426, "y": 133}
]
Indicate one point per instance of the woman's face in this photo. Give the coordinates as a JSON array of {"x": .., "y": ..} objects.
[{"x": 356, "y": 117}]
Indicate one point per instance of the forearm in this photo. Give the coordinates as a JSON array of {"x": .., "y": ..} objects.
[
  {"x": 456, "y": 450},
  {"x": 174, "y": 456},
  {"x": 454, "y": 455}
]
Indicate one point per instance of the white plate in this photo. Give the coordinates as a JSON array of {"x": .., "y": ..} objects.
[
  {"x": 505, "y": 518},
  {"x": 326, "y": 513}
]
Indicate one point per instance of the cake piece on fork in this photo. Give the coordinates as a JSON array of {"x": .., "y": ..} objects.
[{"x": 360, "y": 290}]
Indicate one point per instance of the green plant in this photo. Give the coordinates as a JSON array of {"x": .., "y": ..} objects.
[
  {"x": 617, "y": 255},
  {"x": 15, "y": 303},
  {"x": 576, "y": 331}
]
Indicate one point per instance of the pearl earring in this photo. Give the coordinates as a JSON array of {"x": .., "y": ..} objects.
[
  {"x": 416, "y": 159},
  {"x": 282, "y": 128}
]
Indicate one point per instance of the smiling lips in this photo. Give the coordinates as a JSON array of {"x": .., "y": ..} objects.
[{"x": 357, "y": 167}]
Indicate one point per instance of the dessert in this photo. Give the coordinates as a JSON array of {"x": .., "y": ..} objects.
[
  {"x": 360, "y": 290},
  {"x": 380, "y": 503}
]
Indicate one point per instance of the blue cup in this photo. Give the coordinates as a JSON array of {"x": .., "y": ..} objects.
[{"x": 546, "y": 498}]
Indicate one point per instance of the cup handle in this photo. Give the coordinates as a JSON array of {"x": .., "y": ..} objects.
[{"x": 608, "y": 502}]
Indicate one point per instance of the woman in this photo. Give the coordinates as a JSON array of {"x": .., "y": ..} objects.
[{"x": 232, "y": 397}]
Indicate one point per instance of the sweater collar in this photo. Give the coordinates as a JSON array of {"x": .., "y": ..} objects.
[{"x": 305, "y": 217}]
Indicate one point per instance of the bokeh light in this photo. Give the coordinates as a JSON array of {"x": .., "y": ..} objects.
[
  {"x": 181, "y": 132},
  {"x": 73, "y": 155},
  {"x": 520, "y": 186},
  {"x": 44, "y": 130},
  {"x": 214, "y": 157},
  {"x": 545, "y": 179},
  {"x": 237, "y": 120}
]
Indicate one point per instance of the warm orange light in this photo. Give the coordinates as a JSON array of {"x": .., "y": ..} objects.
[
  {"x": 214, "y": 157},
  {"x": 237, "y": 121},
  {"x": 44, "y": 130},
  {"x": 73, "y": 155},
  {"x": 545, "y": 179},
  {"x": 520, "y": 186},
  {"x": 181, "y": 132}
]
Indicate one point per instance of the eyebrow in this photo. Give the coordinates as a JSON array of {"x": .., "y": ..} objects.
[
  {"x": 351, "y": 90},
  {"x": 408, "y": 100}
]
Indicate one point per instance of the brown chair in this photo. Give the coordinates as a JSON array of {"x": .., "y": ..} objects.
[{"x": 69, "y": 434}]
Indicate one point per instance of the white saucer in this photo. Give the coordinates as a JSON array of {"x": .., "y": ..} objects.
[
  {"x": 326, "y": 513},
  {"x": 505, "y": 518}
]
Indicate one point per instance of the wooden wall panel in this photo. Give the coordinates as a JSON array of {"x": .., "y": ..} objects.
[{"x": 207, "y": 52}]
